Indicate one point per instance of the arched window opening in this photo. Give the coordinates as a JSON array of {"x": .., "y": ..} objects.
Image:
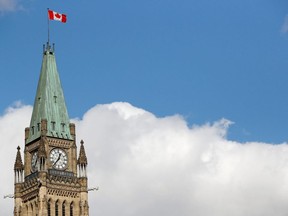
[
  {"x": 49, "y": 207},
  {"x": 64, "y": 208},
  {"x": 32, "y": 211},
  {"x": 36, "y": 208},
  {"x": 57, "y": 208},
  {"x": 71, "y": 209},
  {"x": 27, "y": 211}
]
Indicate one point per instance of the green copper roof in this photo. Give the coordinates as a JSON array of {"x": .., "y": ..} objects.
[{"x": 49, "y": 102}]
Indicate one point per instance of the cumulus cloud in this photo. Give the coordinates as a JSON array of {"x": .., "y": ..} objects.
[
  {"x": 145, "y": 165},
  {"x": 9, "y": 5}
]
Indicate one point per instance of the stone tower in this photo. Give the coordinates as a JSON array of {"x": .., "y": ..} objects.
[{"x": 52, "y": 181}]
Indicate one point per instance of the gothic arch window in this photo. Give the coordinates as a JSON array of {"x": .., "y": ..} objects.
[
  {"x": 31, "y": 207},
  {"x": 57, "y": 208},
  {"x": 71, "y": 208},
  {"x": 64, "y": 208},
  {"x": 49, "y": 207},
  {"x": 86, "y": 207},
  {"x": 35, "y": 208}
]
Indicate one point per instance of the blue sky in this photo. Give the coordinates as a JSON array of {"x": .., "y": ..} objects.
[
  {"x": 144, "y": 62},
  {"x": 205, "y": 60}
]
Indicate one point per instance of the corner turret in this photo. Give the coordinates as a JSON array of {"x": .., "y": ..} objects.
[
  {"x": 18, "y": 167},
  {"x": 82, "y": 161}
]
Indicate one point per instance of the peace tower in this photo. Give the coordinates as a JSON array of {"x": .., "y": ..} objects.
[{"x": 52, "y": 181}]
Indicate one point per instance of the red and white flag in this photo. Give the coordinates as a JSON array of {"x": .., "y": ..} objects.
[{"x": 57, "y": 16}]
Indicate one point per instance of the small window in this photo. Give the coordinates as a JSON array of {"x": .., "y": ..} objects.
[
  {"x": 53, "y": 125},
  {"x": 63, "y": 209},
  {"x": 31, "y": 206},
  {"x": 49, "y": 208},
  {"x": 63, "y": 127},
  {"x": 56, "y": 209},
  {"x": 71, "y": 209},
  {"x": 33, "y": 130},
  {"x": 38, "y": 126}
]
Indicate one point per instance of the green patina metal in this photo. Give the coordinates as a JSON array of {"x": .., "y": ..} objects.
[{"x": 49, "y": 102}]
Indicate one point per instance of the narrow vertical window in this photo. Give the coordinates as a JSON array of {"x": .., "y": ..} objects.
[
  {"x": 63, "y": 127},
  {"x": 56, "y": 209},
  {"x": 32, "y": 128},
  {"x": 49, "y": 208},
  {"x": 63, "y": 209},
  {"x": 38, "y": 126},
  {"x": 53, "y": 125},
  {"x": 32, "y": 211},
  {"x": 55, "y": 99},
  {"x": 71, "y": 209}
]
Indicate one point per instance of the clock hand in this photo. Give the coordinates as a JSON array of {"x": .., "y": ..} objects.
[{"x": 57, "y": 159}]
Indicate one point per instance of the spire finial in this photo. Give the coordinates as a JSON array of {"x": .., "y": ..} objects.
[
  {"x": 82, "y": 160},
  {"x": 18, "y": 162},
  {"x": 49, "y": 48}
]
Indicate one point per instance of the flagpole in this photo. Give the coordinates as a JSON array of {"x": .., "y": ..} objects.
[{"x": 48, "y": 29}]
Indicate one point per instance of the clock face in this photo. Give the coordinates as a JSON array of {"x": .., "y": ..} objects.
[
  {"x": 58, "y": 158},
  {"x": 34, "y": 161}
]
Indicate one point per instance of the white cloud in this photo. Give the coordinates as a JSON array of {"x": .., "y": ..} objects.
[
  {"x": 9, "y": 5},
  {"x": 146, "y": 165},
  {"x": 284, "y": 28}
]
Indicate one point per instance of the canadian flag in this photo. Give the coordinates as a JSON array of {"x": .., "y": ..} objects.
[{"x": 57, "y": 16}]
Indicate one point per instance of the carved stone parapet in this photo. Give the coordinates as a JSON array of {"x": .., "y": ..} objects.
[
  {"x": 30, "y": 183},
  {"x": 63, "y": 193},
  {"x": 63, "y": 179},
  {"x": 61, "y": 143},
  {"x": 29, "y": 196}
]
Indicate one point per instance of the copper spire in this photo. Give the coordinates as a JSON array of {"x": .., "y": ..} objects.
[
  {"x": 18, "y": 162},
  {"x": 82, "y": 160},
  {"x": 49, "y": 102}
]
